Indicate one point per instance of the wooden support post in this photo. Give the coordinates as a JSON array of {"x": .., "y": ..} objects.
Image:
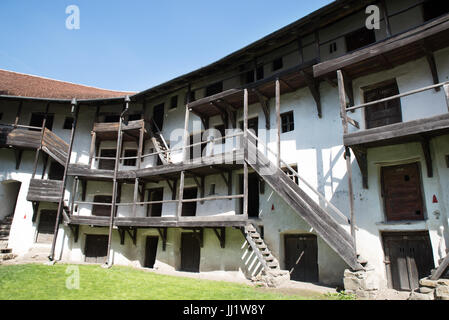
[
  {"x": 114, "y": 181},
  {"x": 19, "y": 111},
  {"x": 18, "y": 155},
  {"x": 433, "y": 68},
  {"x": 175, "y": 184},
  {"x": 221, "y": 236},
  {"x": 446, "y": 93},
  {"x": 135, "y": 198},
  {"x": 427, "y": 155},
  {"x": 245, "y": 189},
  {"x": 181, "y": 195},
  {"x": 186, "y": 134},
  {"x": 342, "y": 94},
  {"x": 362, "y": 160},
  {"x": 92, "y": 147},
  {"x": 314, "y": 87},
  {"x": 46, "y": 157},
  {"x": 265, "y": 107},
  {"x": 386, "y": 18},
  {"x": 75, "y": 108},
  {"x": 35, "y": 205},
  {"x": 74, "y": 194},
  {"x": 245, "y": 121},
  {"x": 84, "y": 187},
  {"x": 163, "y": 235},
  {"x": 278, "y": 122}
]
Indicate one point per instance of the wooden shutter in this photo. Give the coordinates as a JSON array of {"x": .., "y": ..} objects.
[{"x": 385, "y": 113}]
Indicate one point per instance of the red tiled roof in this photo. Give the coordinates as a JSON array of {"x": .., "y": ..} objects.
[{"x": 24, "y": 85}]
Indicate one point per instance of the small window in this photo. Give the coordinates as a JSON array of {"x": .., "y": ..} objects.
[
  {"x": 359, "y": 38},
  {"x": 277, "y": 64},
  {"x": 259, "y": 73},
  {"x": 220, "y": 128},
  {"x": 249, "y": 77},
  {"x": 212, "y": 189},
  {"x": 434, "y": 8},
  {"x": 174, "y": 102},
  {"x": 112, "y": 118},
  {"x": 134, "y": 117},
  {"x": 287, "y": 122},
  {"x": 290, "y": 174},
  {"x": 332, "y": 47},
  {"x": 191, "y": 96},
  {"x": 130, "y": 153},
  {"x": 214, "y": 88}
]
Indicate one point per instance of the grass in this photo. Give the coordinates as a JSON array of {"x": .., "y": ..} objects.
[{"x": 41, "y": 282}]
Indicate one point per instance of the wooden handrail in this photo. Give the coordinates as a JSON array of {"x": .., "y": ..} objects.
[
  {"x": 367, "y": 104},
  {"x": 335, "y": 209}
]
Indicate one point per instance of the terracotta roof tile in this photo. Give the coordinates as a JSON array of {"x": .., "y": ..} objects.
[{"x": 24, "y": 85}]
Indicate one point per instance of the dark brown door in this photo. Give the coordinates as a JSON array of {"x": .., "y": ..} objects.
[
  {"x": 107, "y": 164},
  {"x": 150, "y": 251},
  {"x": 190, "y": 253},
  {"x": 301, "y": 257},
  {"x": 189, "y": 208},
  {"x": 96, "y": 249},
  {"x": 158, "y": 116},
  {"x": 155, "y": 210},
  {"x": 46, "y": 227},
  {"x": 102, "y": 210},
  {"x": 401, "y": 191},
  {"x": 56, "y": 171},
  {"x": 384, "y": 113},
  {"x": 408, "y": 258}
]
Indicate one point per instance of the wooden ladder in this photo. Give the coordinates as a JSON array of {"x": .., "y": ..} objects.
[{"x": 159, "y": 143}]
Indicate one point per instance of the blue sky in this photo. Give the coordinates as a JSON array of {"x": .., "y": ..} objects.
[{"x": 135, "y": 44}]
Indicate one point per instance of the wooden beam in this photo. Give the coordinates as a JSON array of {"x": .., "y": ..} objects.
[
  {"x": 18, "y": 156},
  {"x": 278, "y": 122},
  {"x": 93, "y": 148},
  {"x": 446, "y": 93},
  {"x": 362, "y": 160},
  {"x": 425, "y": 145},
  {"x": 314, "y": 87},
  {"x": 186, "y": 134},
  {"x": 433, "y": 67},
  {"x": 181, "y": 194},
  {"x": 75, "y": 231},
  {"x": 35, "y": 205},
  {"x": 441, "y": 269},
  {"x": 163, "y": 234},
  {"x": 221, "y": 236},
  {"x": 132, "y": 234},
  {"x": 263, "y": 101}
]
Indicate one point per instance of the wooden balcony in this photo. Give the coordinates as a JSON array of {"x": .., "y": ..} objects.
[
  {"x": 109, "y": 130},
  {"x": 413, "y": 44},
  {"x": 44, "y": 190},
  {"x": 21, "y": 138}
]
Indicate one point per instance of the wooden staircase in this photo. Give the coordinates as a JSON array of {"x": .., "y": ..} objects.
[
  {"x": 159, "y": 143},
  {"x": 271, "y": 273},
  {"x": 320, "y": 220},
  {"x": 55, "y": 147},
  {"x": 5, "y": 228}
]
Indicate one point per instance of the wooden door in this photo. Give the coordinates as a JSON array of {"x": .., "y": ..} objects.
[
  {"x": 158, "y": 116},
  {"x": 190, "y": 252},
  {"x": 401, "y": 191},
  {"x": 38, "y": 118},
  {"x": 408, "y": 258},
  {"x": 253, "y": 195},
  {"x": 46, "y": 227},
  {"x": 150, "y": 251},
  {"x": 96, "y": 249},
  {"x": 56, "y": 171},
  {"x": 189, "y": 208},
  {"x": 102, "y": 210},
  {"x": 301, "y": 257},
  {"x": 107, "y": 164},
  {"x": 155, "y": 210}
]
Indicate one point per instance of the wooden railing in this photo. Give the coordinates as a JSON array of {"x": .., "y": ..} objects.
[{"x": 344, "y": 112}]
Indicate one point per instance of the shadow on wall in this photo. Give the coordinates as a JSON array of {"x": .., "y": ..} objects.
[{"x": 9, "y": 191}]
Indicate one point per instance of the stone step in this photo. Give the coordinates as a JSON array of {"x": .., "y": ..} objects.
[
  {"x": 5, "y": 250},
  {"x": 7, "y": 256},
  {"x": 273, "y": 265}
]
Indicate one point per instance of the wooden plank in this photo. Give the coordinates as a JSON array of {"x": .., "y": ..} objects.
[
  {"x": 278, "y": 122},
  {"x": 441, "y": 269},
  {"x": 446, "y": 93}
]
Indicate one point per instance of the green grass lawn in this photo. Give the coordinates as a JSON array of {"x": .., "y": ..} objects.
[{"x": 35, "y": 281}]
